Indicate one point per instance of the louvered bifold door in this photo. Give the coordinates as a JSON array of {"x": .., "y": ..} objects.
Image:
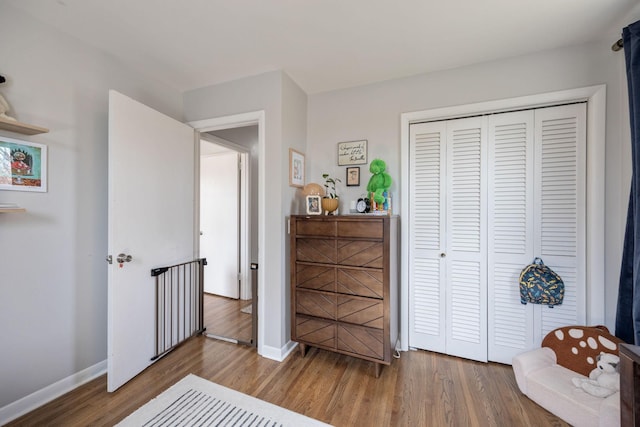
[
  {"x": 559, "y": 207},
  {"x": 426, "y": 239},
  {"x": 510, "y": 232},
  {"x": 465, "y": 253}
]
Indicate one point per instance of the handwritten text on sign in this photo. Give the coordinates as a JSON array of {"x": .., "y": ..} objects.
[{"x": 352, "y": 153}]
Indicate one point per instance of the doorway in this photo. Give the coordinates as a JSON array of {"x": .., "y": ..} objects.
[{"x": 227, "y": 164}]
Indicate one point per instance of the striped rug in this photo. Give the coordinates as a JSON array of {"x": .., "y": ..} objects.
[{"x": 194, "y": 401}]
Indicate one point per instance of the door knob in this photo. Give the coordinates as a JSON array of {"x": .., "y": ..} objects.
[
  {"x": 123, "y": 258},
  {"x": 442, "y": 255}
]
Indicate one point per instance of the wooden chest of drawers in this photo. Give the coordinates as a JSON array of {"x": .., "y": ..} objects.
[{"x": 344, "y": 285}]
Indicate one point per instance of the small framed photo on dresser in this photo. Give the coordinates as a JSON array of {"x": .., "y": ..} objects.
[{"x": 314, "y": 205}]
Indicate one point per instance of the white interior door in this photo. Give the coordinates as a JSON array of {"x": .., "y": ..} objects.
[
  {"x": 219, "y": 223},
  {"x": 427, "y": 238},
  {"x": 151, "y": 218},
  {"x": 511, "y": 231},
  {"x": 466, "y": 239},
  {"x": 447, "y": 310}
]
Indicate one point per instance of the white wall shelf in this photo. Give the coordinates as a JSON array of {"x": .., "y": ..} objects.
[
  {"x": 12, "y": 210},
  {"x": 19, "y": 127}
]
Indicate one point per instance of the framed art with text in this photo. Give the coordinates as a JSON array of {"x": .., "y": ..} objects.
[{"x": 352, "y": 153}]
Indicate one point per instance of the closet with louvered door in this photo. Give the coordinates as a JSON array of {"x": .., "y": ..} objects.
[
  {"x": 538, "y": 213},
  {"x": 447, "y": 223},
  {"x": 477, "y": 218}
]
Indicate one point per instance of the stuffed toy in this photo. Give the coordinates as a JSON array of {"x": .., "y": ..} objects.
[
  {"x": 380, "y": 180},
  {"x": 4, "y": 107},
  {"x": 604, "y": 380}
]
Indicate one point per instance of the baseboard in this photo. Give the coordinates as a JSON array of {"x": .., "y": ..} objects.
[
  {"x": 278, "y": 354},
  {"x": 36, "y": 399}
]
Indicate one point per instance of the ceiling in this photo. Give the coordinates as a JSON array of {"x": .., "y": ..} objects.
[{"x": 324, "y": 44}]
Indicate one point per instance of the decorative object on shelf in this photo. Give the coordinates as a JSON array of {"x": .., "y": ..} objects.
[
  {"x": 353, "y": 176},
  {"x": 313, "y": 189},
  {"x": 11, "y": 124},
  {"x": 330, "y": 185},
  {"x": 352, "y": 153},
  {"x": 23, "y": 165},
  {"x": 331, "y": 200},
  {"x": 4, "y": 105},
  {"x": 330, "y": 205},
  {"x": 296, "y": 168},
  {"x": 379, "y": 182},
  {"x": 363, "y": 205},
  {"x": 314, "y": 204}
]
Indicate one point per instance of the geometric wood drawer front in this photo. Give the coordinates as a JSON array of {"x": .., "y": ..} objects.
[
  {"x": 316, "y": 304},
  {"x": 366, "y": 283},
  {"x": 316, "y": 277},
  {"x": 316, "y": 250},
  {"x": 316, "y": 331},
  {"x": 372, "y": 229},
  {"x": 361, "y": 311},
  {"x": 316, "y": 228},
  {"x": 357, "y": 339},
  {"x": 360, "y": 253}
]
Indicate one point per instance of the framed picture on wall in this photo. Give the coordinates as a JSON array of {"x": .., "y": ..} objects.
[
  {"x": 296, "y": 168},
  {"x": 23, "y": 165},
  {"x": 353, "y": 176},
  {"x": 352, "y": 153},
  {"x": 314, "y": 205}
]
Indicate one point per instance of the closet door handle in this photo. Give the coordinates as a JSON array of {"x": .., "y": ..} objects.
[{"x": 443, "y": 255}]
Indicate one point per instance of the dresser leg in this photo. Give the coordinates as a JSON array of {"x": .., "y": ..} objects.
[
  {"x": 378, "y": 369},
  {"x": 303, "y": 349}
]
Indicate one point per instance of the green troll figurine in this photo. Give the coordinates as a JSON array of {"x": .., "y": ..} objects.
[{"x": 380, "y": 180}]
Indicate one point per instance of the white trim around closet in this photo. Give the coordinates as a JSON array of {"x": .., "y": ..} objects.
[{"x": 595, "y": 96}]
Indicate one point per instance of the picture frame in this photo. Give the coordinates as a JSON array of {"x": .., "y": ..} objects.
[
  {"x": 314, "y": 205},
  {"x": 23, "y": 165},
  {"x": 296, "y": 168},
  {"x": 352, "y": 153},
  {"x": 353, "y": 176}
]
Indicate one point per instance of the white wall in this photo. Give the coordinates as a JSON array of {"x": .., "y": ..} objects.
[
  {"x": 53, "y": 287},
  {"x": 280, "y": 98},
  {"x": 372, "y": 112}
]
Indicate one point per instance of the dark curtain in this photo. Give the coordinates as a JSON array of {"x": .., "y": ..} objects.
[{"x": 628, "y": 312}]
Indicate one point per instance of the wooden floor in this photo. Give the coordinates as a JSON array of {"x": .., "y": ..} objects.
[
  {"x": 222, "y": 316},
  {"x": 419, "y": 389}
]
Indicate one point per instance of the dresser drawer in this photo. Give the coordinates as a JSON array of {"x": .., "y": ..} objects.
[
  {"x": 316, "y": 277},
  {"x": 315, "y": 228},
  {"x": 316, "y": 250},
  {"x": 360, "y": 253},
  {"x": 366, "y": 283},
  {"x": 361, "y": 311},
  {"x": 316, "y": 331},
  {"x": 360, "y": 340},
  {"x": 319, "y": 304},
  {"x": 370, "y": 229}
]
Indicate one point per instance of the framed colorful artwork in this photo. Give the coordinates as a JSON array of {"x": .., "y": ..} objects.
[{"x": 23, "y": 165}]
